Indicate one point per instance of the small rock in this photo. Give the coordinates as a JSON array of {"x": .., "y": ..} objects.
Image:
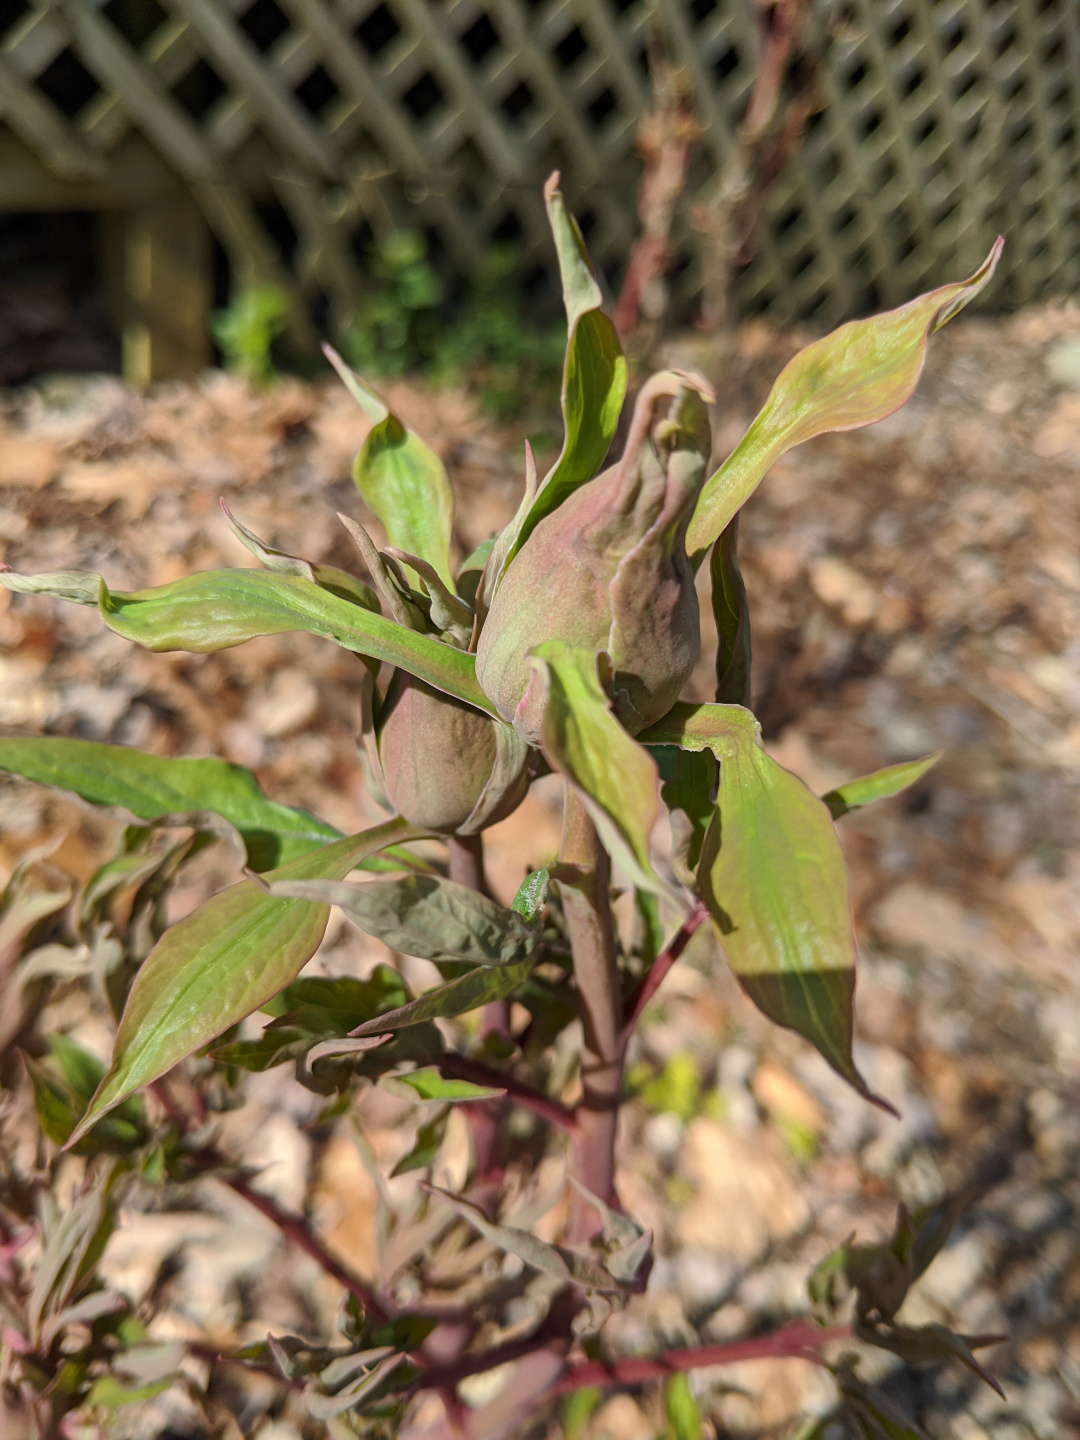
[
  {"x": 728, "y": 1323},
  {"x": 746, "y": 1197},
  {"x": 1062, "y": 362},
  {"x": 766, "y": 1394},
  {"x": 620, "y": 1419},
  {"x": 840, "y": 586},
  {"x": 27, "y": 460},
  {"x": 703, "y": 1279},
  {"x": 737, "y": 1065},
  {"x": 242, "y": 743},
  {"x": 956, "y": 1271},
  {"x": 778, "y": 1289},
  {"x": 777, "y": 1091},
  {"x": 663, "y": 1135},
  {"x": 291, "y": 702},
  {"x": 917, "y": 916}
]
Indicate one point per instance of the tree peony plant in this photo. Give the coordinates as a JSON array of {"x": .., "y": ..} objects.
[{"x": 561, "y": 645}]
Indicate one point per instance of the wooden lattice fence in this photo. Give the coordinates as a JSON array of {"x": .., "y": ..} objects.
[{"x": 941, "y": 122}]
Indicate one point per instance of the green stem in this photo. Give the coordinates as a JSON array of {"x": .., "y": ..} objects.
[{"x": 585, "y": 875}]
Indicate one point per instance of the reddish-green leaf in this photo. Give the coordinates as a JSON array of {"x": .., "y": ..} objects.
[
  {"x": 593, "y": 389},
  {"x": 859, "y": 374},
  {"x": 224, "y": 961},
  {"x": 616, "y": 777},
  {"x": 773, "y": 878}
]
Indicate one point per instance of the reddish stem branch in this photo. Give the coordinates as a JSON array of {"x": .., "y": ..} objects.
[
  {"x": 294, "y": 1228},
  {"x": 297, "y": 1231},
  {"x": 652, "y": 981},
  {"x": 458, "y": 1067},
  {"x": 800, "y": 1341}
]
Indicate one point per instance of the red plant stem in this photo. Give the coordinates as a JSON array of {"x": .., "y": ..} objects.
[
  {"x": 652, "y": 981},
  {"x": 585, "y": 871},
  {"x": 297, "y": 1232},
  {"x": 800, "y": 1341},
  {"x": 294, "y": 1228},
  {"x": 458, "y": 1067}
]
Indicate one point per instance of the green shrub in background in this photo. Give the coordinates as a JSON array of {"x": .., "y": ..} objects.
[
  {"x": 247, "y": 328},
  {"x": 409, "y": 325},
  {"x": 396, "y": 328}
]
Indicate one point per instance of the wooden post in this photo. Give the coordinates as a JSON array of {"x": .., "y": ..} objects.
[{"x": 158, "y": 263}]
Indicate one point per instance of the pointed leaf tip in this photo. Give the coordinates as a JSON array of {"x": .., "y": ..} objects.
[
  {"x": 221, "y": 963},
  {"x": 862, "y": 372}
]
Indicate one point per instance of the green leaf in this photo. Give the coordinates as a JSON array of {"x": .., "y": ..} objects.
[
  {"x": 426, "y": 916},
  {"x": 216, "y": 609},
  {"x": 774, "y": 881},
  {"x": 880, "y": 785},
  {"x": 331, "y": 1005},
  {"x": 56, "y": 1113},
  {"x": 576, "y": 1409},
  {"x": 272, "y": 1047},
  {"x": 430, "y": 1085},
  {"x": 221, "y": 963},
  {"x": 532, "y": 896},
  {"x": 732, "y": 617},
  {"x": 108, "y": 1392},
  {"x": 402, "y": 480},
  {"x": 81, "y": 587},
  {"x": 457, "y": 997},
  {"x": 688, "y": 783},
  {"x": 152, "y": 787},
  {"x": 616, "y": 777},
  {"x": 859, "y": 374},
  {"x": 425, "y": 1147},
  {"x": 593, "y": 386},
  {"x": 683, "y": 1415},
  {"x": 329, "y": 577},
  {"x": 81, "y": 1070}
]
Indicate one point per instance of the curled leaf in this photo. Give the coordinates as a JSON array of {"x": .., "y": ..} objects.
[
  {"x": 329, "y": 577},
  {"x": 859, "y": 374},
  {"x": 401, "y": 479},
  {"x": 593, "y": 388}
]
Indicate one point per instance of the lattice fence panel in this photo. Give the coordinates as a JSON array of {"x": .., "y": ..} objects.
[{"x": 941, "y": 123}]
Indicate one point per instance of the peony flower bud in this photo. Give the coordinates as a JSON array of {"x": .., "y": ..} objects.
[
  {"x": 608, "y": 571},
  {"x": 444, "y": 765}
]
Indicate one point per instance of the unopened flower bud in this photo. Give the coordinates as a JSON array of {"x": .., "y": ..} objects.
[
  {"x": 444, "y": 765},
  {"x": 608, "y": 571}
]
